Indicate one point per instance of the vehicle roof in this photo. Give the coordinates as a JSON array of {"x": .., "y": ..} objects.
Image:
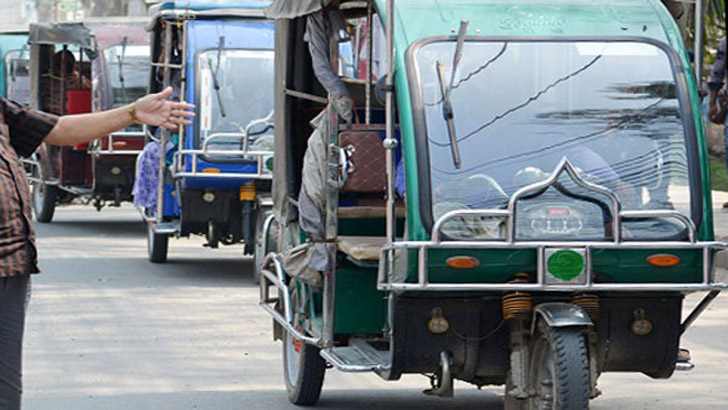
[
  {"x": 174, "y": 10},
  {"x": 212, "y": 5},
  {"x": 417, "y": 19},
  {"x": 107, "y": 35}
]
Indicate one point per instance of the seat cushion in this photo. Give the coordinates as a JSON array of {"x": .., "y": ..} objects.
[{"x": 362, "y": 248}]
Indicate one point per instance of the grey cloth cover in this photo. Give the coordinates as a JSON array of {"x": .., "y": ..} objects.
[
  {"x": 319, "y": 25},
  {"x": 288, "y": 9},
  {"x": 60, "y": 33},
  {"x": 306, "y": 261}
]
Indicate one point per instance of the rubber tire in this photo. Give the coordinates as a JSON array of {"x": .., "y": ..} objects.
[
  {"x": 44, "y": 200},
  {"x": 270, "y": 239},
  {"x": 567, "y": 348},
  {"x": 310, "y": 369},
  {"x": 157, "y": 246}
]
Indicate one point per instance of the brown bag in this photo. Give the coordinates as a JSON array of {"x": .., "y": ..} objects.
[{"x": 367, "y": 158}]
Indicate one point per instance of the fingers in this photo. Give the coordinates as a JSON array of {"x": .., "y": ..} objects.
[
  {"x": 182, "y": 106},
  {"x": 181, "y": 113},
  {"x": 181, "y": 121},
  {"x": 164, "y": 94}
]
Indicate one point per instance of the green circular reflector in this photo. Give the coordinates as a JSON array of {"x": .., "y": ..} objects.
[
  {"x": 565, "y": 264},
  {"x": 269, "y": 163}
]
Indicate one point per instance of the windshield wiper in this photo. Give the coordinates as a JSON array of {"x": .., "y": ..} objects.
[
  {"x": 214, "y": 73},
  {"x": 120, "y": 58},
  {"x": 447, "y": 111}
]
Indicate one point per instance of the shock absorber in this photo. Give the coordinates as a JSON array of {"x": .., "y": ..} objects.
[
  {"x": 588, "y": 302},
  {"x": 247, "y": 197},
  {"x": 517, "y": 307}
]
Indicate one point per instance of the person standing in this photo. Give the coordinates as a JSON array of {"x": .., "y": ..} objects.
[
  {"x": 22, "y": 130},
  {"x": 717, "y": 101}
]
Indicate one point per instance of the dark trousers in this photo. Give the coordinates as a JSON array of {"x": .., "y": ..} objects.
[{"x": 14, "y": 294}]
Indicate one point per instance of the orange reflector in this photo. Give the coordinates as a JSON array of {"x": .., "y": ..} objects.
[
  {"x": 210, "y": 171},
  {"x": 120, "y": 144},
  {"x": 663, "y": 260},
  {"x": 247, "y": 192},
  {"x": 462, "y": 262}
]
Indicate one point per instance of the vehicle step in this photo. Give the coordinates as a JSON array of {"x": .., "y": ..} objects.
[{"x": 359, "y": 356}]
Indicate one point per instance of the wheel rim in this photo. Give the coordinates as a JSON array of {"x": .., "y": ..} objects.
[
  {"x": 293, "y": 353},
  {"x": 294, "y": 346},
  {"x": 543, "y": 378}
]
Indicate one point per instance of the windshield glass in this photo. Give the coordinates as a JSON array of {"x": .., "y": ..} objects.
[
  {"x": 519, "y": 108},
  {"x": 245, "y": 79},
  {"x": 17, "y": 76},
  {"x": 130, "y": 63}
]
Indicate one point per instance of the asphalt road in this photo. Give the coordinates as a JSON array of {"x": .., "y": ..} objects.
[{"x": 108, "y": 330}]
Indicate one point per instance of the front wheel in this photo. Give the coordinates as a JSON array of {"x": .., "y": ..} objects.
[
  {"x": 44, "y": 197},
  {"x": 303, "y": 369},
  {"x": 157, "y": 245},
  {"x": 559, "y": 369}
]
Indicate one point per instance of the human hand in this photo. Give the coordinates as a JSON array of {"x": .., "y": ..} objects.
[{"x": 156, "y": 110}]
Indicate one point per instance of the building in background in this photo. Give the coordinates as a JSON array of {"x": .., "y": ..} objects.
[{"x": 19, "y": 13}]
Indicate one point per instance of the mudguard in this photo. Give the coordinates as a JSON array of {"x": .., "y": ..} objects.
[{"x": 557, "y": 314}]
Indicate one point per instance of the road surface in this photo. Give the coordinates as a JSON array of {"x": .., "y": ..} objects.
[{"x": 108, "y": 330}]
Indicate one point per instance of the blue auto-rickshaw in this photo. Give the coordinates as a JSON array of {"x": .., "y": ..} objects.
[
  {"x": 14, "y": 69},
  {"x": 215, "y": 176}
]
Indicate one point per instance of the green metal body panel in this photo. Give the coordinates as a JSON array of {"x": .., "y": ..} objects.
[
  {"x": 609, "y": 266},
  {"x": 360, "y": 307},
  {"x": 9, "y": 42},
  {"x": 420, "y": 19},
  {"x": 496, "y": 266},
  {"x": 630, "y": 266}
]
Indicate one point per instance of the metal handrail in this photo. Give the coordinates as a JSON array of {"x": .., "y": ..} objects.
[
  {"x": 423, "y": 282},
  {"x": 385, "y": 283},
  {"x": 269, "y": 279},
  {"x": 179, "y": 172},
  {"x": 95, "y": 148}
]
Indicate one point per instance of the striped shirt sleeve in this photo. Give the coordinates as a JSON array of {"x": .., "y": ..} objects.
[{"x": 28, "y": 127}]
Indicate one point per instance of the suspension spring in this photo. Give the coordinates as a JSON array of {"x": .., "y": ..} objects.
[
  {"x": 589, "y": 302},
  {"x": 517, "y": 305}
]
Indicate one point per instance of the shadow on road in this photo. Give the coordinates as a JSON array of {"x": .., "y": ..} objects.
[
  {"x": 82, "y": 228},
  {"x": 405, "y": 399}
]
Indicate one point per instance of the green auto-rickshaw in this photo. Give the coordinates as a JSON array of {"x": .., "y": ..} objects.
[{"x": 500, "y": 192}]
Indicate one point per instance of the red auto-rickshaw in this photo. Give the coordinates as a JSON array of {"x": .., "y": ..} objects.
[{"x": 83, "y": 67}]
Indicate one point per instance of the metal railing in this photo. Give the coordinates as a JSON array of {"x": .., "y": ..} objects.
[
  {"x": 387, "y": 260},
  {"x": 187, "y": 160},
  {"x": 97, "y": 148},
  {"x": 270, "y": 280}
]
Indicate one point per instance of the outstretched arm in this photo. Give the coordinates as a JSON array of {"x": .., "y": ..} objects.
[{"x": 153, "y": 109}]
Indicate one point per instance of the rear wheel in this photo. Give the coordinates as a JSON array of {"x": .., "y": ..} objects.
[
  {"x": 157, "y": 245},
  {"x": 559, "y": 369},
  {"x": 44, "y": 197},
  {"x": 303, "y": 368}
]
